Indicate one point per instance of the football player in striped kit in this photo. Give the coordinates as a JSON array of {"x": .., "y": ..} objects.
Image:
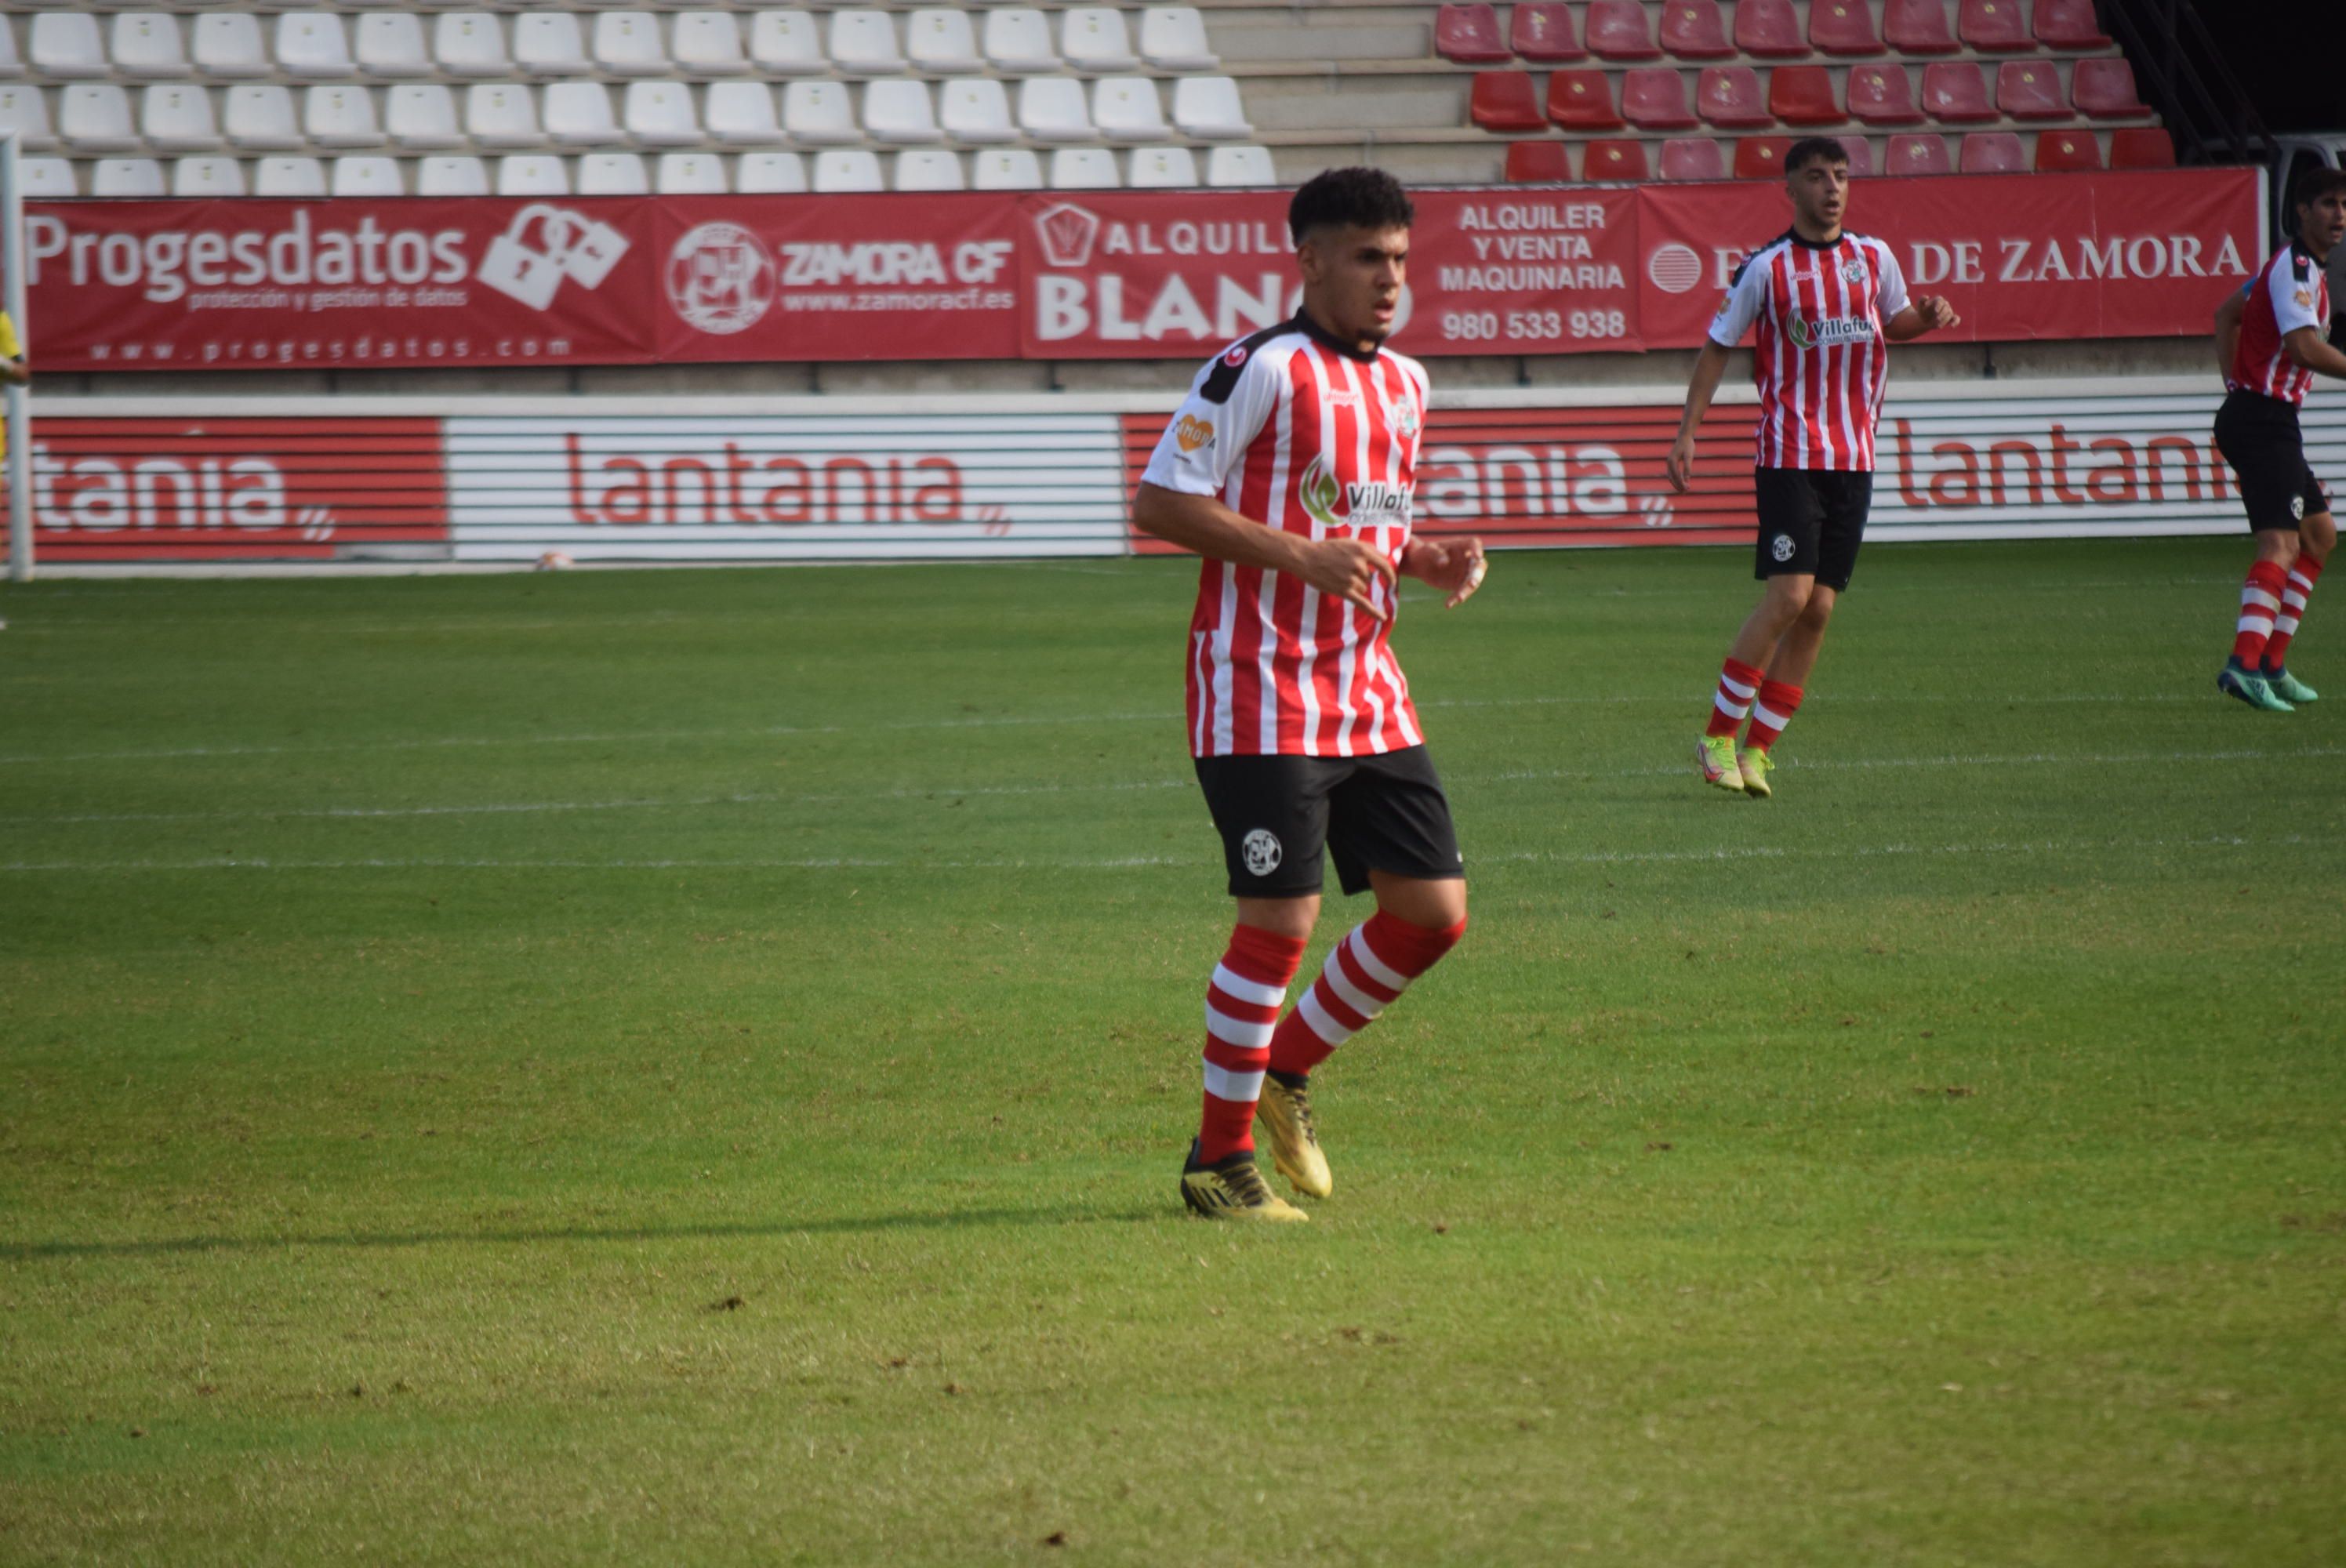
[
  {"x": 1289, "y": 469},
  {"x": 2271, "y": 338},
  {"x": 1827, "y": 304}
]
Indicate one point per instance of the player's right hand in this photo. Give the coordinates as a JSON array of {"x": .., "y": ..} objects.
[
  {"x": 1679, "y": 464},
  {"x": 1350, "y": 570}
]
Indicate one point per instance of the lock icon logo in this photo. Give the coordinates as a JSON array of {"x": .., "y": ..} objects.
[{"x": 567, "y": 245}]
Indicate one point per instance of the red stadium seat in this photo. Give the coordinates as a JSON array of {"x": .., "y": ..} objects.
[
  {"x": 1919, "y": 28},
  {"x": 2069, "y": 25},
  {"x": 1538, "y": 163},
  {"x": 1653, "y": 98},
  {"x": 1503, "y": 101},
  {"x": 1694, "y": 30},
  {"x": 1692, "y": 158},
  {"x": 1617, "y": 31},
  {"x": 1995, "y": 27},
  {"x": 1993, "y": 152},
  {"x": 1760, "y": 157},
  {"x": 1469, "y": 36},
  {"x": 2105, "y": 90},
  {"x": 1613, "y": 160},
  {"x": 1766, "y": 30},
  {"x": 1917, "y": 155},
  {"x": 1882, "y": 96},
  {"x": 1861, "y": 155},
  {"x": 1729, "y": 98},
  {"x": 1954, "y": 92},
  {"x": 2142, "y": 147},
  {"x": 2059, "y": 151},
  {"x": 1843, "y": 28},
  {"x": 2030, "y": 90},
  {"x": 1803, "y": 96},
  {"x": 1581, "y": 101},
  {"x": 1543, "y": 34}
]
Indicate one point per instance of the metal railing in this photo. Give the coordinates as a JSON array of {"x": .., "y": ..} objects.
[{"x": 2180, "y": 72}]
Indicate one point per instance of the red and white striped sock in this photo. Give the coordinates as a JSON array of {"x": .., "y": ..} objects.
[
  {"x": 1771, "y": 711},
  {"x": 2259, "y": 602},
  {"x": 1737, "y": 683},
  {"x": 2295, "y": 590},
  {"x": 1374, "y": 964},
  {"x": 1242, "y": 1004}
]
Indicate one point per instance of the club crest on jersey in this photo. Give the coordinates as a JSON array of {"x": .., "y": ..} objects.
[
  {"x": 1262, "y": 852},
  {"x": 1193, "y": 433},
  {"x": 1854, "y": 271},
  {"x": 1828, "y": 330},
  {"x": 1400, "y": 418},
  {"x": 1350, "y": 507}
]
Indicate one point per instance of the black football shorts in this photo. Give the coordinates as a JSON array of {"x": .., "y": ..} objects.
[
  {"x": 1811, "y": 521},
  {"x": 1276, "y": 814},
  {"x": 2259, "y": 436}
]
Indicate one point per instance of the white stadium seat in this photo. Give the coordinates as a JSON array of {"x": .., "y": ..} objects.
[
  {"x": 1125, "y": 108},
  {"x": 933, "y": 169},
  {"x": 1018, "y": 42},
  {"x": 95, "y": 117},
  {"x": 1162, "y": 168},
  {"x": 863, "y": 43},
  {"x": 628, "y": 44},
  {"x": 500, "y": 115},
  {"x": 1173, "y": 38},
  {"x": 549, "y": 44},
  {"x": 421, "y": 115},
  {"x": 259, "y": 117},
  {"x": 578, "y": 113},
  {"x": 11, "y": 66},
  {"x": 1208, "y": 109},
  {"x": 1006, "y": 168},
  {"x": 46, "y": 177},
  {"x": 367, "y": 176},
  {"x": 1083, "y": 169},
  {"x": 228, "y": 44},
  {"x": 1052, "y": 108},
  {"x": 898, "y": 112},
  {"x": 26, "y": 111},
  {"x": 848, "y": 169},
  {"x": 1093, "y": 38},
  {"x": 975, "y": 111},
  {"x": 708, "y": 44},
  {"x": 770, "y": 174},
  {"x": 66, "y": 44},
  {"x": 787, "y": 44},
  {"x": 941, "y": 41},
  {"x": 1240, "y": 165},
  {"x": 312, "y": 44},
  {"x": 612, "y": 174},
  {"x": 207, "y": 177},
  {"x": 297, "y": 178},
  {"x": 659, "y": 113},
  {"x": 819, "y": 112},
  {"x": 391, "y": 43},
  {"x": 341, "y": 116},
  {"x": 533, "y": 173},
  {"x": 128, "y": 177},
  {"x": 741, "y": 114},
  {"x": 689, "y": 174},
  {"x": 472, "y": 43},
  {"x": 452, "y": 177},
  {"x": 177, "y": 117},
  {"x": 144, "y": 44}
]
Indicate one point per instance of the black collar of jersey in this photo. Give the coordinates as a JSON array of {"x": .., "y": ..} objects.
[
  {"x": 1313, "y": 329},
  {"x": 1797, "y": 238}
]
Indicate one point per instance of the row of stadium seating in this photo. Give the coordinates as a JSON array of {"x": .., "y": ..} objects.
[
  {"x": 99, "y": 116},
  {"x": 474, "y": 45},
  {"x": 1730, "y": 98},
  {"x": 630, "y": 174},
  {"x": 1762, "y": 156},
  {"x": 1543, "y": 33}
]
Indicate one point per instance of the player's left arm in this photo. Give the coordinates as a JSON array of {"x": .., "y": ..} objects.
[
  {"x": 1905, "y": 319},
  {"x": 2310, "y": 349},
  {"x": 1455, "y": 568}
]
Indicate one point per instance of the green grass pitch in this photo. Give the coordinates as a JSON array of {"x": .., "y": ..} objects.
[{"x": 691, "y": 1067}]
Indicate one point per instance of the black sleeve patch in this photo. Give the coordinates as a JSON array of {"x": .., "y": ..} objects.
[{"x": 1223, "y": 379}]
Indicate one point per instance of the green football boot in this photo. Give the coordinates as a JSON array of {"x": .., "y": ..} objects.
[
  {"x": 1756, "y": 767},
  {"x": 2250, "y": 690},
  {"x": 2289, "y": 688},
  {"x": 1714, "y": 758}
]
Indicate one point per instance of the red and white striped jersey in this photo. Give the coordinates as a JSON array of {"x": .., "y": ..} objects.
[
  {"x": 1302, "y": 433},
  {"x": 2292, "y": 291},
  {"x": 1823, "y": 358}
]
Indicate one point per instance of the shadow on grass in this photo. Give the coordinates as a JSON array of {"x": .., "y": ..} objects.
[{"x": 30, "y": 1251}]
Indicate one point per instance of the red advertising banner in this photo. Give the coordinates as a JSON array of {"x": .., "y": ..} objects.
[
  {"x": 263, "y": 489},
  {"x": 2137, "y": 254}
]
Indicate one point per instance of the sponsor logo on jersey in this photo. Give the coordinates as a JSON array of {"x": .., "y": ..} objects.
[
  {"x": 2305, "y": 299},
  {"x": 1193, "y": 433},
  {"x": 1825, "y": 331},
  {"x": 1349, "y": 508},
  {"x": 1236, "y": 357}
]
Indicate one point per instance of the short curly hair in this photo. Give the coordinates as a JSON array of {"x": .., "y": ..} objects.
[{"x": 1348, "y": 198}]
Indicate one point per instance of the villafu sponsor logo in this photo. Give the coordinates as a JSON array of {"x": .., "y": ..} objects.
[{"x": 733, "y": 486}]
